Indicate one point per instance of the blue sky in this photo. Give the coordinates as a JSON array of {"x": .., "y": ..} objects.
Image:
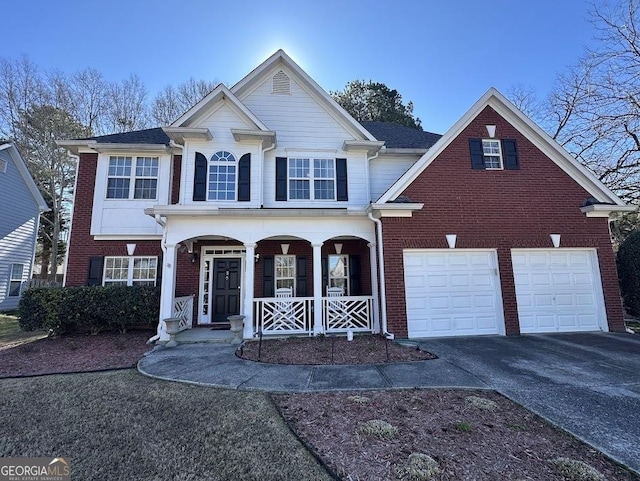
[{"x": 440, "y": 54}]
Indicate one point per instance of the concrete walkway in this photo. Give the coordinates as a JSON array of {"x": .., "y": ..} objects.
[
  {"x": 217, "y": 365},
  {"x": 587, "y": 384}
]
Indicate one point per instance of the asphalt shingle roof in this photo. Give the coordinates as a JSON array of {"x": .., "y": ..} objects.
[
  {"x": 399, "y": 136},
  {"x": 395, "y": 136}
]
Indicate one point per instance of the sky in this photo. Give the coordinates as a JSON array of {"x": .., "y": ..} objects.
[{"x": 441, "y": 55}]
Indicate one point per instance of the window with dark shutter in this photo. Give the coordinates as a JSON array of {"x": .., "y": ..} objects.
[
  {"x": 244, "y": 178},
  {"x": 477, "y": 154},
  {"x": 355, "y": 279},
  {"x": 341, "y": 180},
  {"x": 200, "y": 178},
  {"x": 281, "y": 178},
  {"x": 510, "y": 154},
  {"x": 301, "y": 276}
]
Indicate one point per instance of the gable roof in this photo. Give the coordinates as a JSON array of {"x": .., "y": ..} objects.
[
  {"x": 280, "y": 57},
  {"x": 400, "y": 137},
  {"x": 26, "y": 175},
  {"x": 529, "y": 129}
]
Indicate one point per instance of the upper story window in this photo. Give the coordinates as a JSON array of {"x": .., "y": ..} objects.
[
  {"x": 222, "y": 176},
  {"x": 129, "y": 179},
  {"x": 130, "y": 271},
  {"x": 492, "y": 154},
  {"x": 312, "y": 179}
]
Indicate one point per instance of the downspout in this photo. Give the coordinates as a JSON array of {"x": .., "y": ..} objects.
[
  {"x": 381, "y": 280},
  {"x": 261, "y": 192}
]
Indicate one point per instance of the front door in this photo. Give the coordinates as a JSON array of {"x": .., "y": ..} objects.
[{"x": 225, "y": 289}]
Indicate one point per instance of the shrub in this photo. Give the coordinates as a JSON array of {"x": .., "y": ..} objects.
[
  {"x": 629, "y": 272},
  {"x": 90, "y": 309},
  {"x": 377, "y": 428},
  {"x": 575, "y": 470},
  {"x": 419, "y": 467}
]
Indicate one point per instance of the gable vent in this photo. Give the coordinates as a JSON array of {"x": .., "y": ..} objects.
[
  {"x": 281, "y": 83},
  {"x": 3, "y": 166}
]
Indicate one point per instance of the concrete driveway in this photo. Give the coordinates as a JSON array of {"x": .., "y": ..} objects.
[{"x": 586, "y": 383}]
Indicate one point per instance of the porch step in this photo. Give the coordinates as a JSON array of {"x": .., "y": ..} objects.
[{"x": 204, "y": 335}]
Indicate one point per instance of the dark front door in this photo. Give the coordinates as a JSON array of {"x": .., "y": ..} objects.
[{"x": 226, "y": 289}]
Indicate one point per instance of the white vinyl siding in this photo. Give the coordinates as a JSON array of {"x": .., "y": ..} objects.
[{"x": 385, "y": 170}]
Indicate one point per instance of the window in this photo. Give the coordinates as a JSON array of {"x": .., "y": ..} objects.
[
  {"x": 492, "y": 154},
  {"x": 222, "y": 176},
  {"x": 130, "y": 271},
  {"x": 339, "y": 272},
  {"x": 302, "y": 177},
  {"x": 127, "y": 180},
  {"x": 15, "y": 280},
  {"x": 286, "y": 272}
]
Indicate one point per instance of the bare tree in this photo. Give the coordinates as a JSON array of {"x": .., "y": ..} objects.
[
  {"x": 90, "y": 94},
  {"x": 171, "y": 102},
  {"x": 127, "y": 107}
]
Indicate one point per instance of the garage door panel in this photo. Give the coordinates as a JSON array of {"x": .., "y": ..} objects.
[
  {"x": 562, "y": 296},
  {"x": 460, "y": 293}
]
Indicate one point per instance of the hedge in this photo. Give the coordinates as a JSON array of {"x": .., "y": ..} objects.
[
  {"x": 89, "y": 309},
  {"x": 629, "y": 272}
]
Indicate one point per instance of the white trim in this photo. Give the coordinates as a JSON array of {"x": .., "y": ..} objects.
[
  {"x": 528, "y": 128},
  {"x": 605, "y": 210},
  {"x": 130, "y": 268},
  {"x": 107, "y": 237},
  {"x": 498, "y": 156}
]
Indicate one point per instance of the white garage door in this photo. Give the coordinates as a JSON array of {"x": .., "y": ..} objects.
[
  {"x": 558, "y": 290},
  {"x": 452, "y": 293}
]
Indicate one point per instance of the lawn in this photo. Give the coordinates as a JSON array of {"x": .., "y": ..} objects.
[
  {"x": 10, "y": 333},
  {"x": 120, "y": 425}
]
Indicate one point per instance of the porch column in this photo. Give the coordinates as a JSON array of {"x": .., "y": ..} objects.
[
  {"x": 167, "y": 288},
  {"x": 249, "y": 268},
  {"x": 317, "y": 289},
  {"x": 373, "y": 261}
]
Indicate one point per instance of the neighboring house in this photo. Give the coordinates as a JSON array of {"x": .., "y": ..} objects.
[
  {"x": 268, "y": 200},
  {"x": 19, "y": 219}
]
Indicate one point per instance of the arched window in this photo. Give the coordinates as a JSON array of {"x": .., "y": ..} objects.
[{"x": 223, "y": 172}]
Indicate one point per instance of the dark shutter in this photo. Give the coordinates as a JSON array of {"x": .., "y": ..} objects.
[
  {"x": 510, "y": 154},
  {"x": 355, "y": 276},
  {"x": 477, "y": 155},
  {"x": 96, "y": 265},
  {"x": 244, "y": 178},
  {"x": 325, "y": 273},
  {"x": 200, "y": 178},
  {"x": 341, "y": 180},
  {"x": 281, "y": 178},
  {"x": 267, "y": 276},
  {"x": 301, "y": 277},
  {"x": 159, "y": 271}
]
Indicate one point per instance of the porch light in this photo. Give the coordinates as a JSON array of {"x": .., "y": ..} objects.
[
  {"x": 491, "y": 130},
  {"x": 257, "y": 257},
  {"x": 285, "y": 249},
  {"x": 338, "y": 248},
  {"x": 194, "y": 257},
  {"x": 555, "y": 238},
  {"x": 451, "y": 240},
  {"x": 131, "y": 249}
]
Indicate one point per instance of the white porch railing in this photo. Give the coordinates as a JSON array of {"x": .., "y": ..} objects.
[
  {"x": 283, "y": 315},
  {"x": 347, "y": 313},
  {"x": 294, "y": 315},
  {"x": 183, "y": 310}
]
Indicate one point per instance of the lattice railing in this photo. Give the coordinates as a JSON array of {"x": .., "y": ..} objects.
[
  {"x": 183, "y": 310},
  {"x": 286, "y": 315},
  {"x": 347, "y": 313}
]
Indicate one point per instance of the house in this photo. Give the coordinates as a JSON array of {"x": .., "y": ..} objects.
[
  {"x": 268, "y": 200},
  {"x": 19, "y": 220}
]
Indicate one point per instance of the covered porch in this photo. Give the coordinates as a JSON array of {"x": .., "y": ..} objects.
[{"x": 283, "y": 284}]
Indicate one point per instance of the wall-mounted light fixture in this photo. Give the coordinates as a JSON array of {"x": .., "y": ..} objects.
[
  {"x": 451, "y": 240},
  {"x": 555, "y": 238},
  {"x": 131, "y": 249},
  {"x": 194, "y": 257},
  {"x": 338, "y": 248},
  {"x": 257, "y": 257},
  {"x": 284, "y": 248}
]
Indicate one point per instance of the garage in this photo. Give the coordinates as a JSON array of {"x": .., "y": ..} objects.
[
  {"x": 558, "y": 290},
  {"x": 452, "y": 293}
]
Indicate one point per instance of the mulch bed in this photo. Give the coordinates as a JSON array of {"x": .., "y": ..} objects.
[
  {"x": 74, "y": 352},
  {"x": 468, "y": 437},
  {"x": 364, "y": 349}
]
